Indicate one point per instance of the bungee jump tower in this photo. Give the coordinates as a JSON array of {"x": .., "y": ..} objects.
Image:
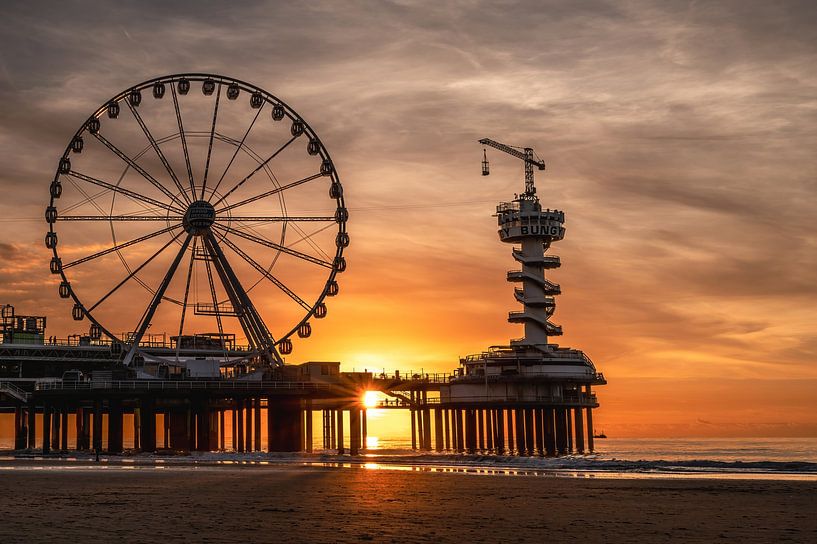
[{"x": 540, "y": 390}]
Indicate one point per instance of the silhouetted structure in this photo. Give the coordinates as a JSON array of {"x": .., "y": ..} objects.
[{"x": 528, "y": 397}]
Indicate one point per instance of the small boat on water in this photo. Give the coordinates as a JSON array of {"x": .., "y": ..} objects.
[{"x": 599, "y": 435}]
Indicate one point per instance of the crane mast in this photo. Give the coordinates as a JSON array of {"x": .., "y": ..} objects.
[{"x": 526, "y": 154}]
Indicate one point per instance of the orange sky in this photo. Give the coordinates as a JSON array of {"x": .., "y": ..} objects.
[{"x": 679, "y": 140}]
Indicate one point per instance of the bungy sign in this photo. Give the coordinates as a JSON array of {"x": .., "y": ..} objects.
[{"x": 546, "y": 228}]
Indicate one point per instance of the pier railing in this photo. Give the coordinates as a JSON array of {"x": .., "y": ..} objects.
[
  {"x": 583, "y": 400},
  {"x": 510, "y": 356},
  {"x": 158, "y": 342},
  {"x": 418, "y": 377},
  {"x": 180, "y": 385}
]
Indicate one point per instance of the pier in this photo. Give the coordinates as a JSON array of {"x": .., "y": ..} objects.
[
  {"x": 189, "y": 389},
  {"x": 281, "y": 415}
]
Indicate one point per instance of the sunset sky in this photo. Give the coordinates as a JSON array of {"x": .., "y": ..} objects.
[{"x": 680, "y": 141}]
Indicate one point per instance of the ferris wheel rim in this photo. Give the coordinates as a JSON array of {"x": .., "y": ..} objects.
[{"x": 268, "y": 98}]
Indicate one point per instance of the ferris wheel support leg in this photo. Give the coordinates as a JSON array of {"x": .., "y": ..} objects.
[
  {"x": 233, "y": 289},
  {"x": 157, "y": 298},
  {"x": 186, "y": 296},
  {"x": 251, "y": 321}
]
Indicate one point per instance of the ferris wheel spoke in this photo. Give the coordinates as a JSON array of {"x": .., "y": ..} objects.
[
  {"x": 147, "y": 317},
  {"x": 80, "y": 190},
  {"x": 121, "y": 190},
  {"x": 210, "y": 143},
  {"x": 273, "y": 245},
  {"x": 237, "y": 149},
  {"x": 126, "y": 217},
  {"x": 120, "y": 246},
  {"x": 266, "y": 273},
  {"x": 157, "y": 149},
  {"x": 271, "y": 192},
  {"x": 282, "y": 218},
  {"x": 130, "y": 162},
  {"x": 257, "y": 168},
  {"x": 134, "y": 272},
  {"x": 184, "y": 142},
  {"x": 89, "y": 199},
  {"x": 186, "y": 295},
  {"x": 308, "y": 239},
  {"x": 304, "y": 236}
]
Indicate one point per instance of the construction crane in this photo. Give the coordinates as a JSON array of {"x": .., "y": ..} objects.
[{"x": 525, "y": 153}]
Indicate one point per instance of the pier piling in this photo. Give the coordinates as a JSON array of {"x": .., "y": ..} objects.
[
  {"x": 519, "y": 420},
  {"x": 354, "y": 431},
  {"x": 529, "y": 431},
  {"x": 64, "y": 428},
  {"x": 97, "y": 425},
  {"x": 55, "y": 428},
  {"x": 480, "y": 430},
  {"x": 32, "y": 426},
  {"x": 426, "y": 426},
  {"x": 561, "y": 431},
  {"x": 248, "y": 428},
  {"x": 309, "y": 439},
  {"x": 438, "y": 430},
  {"x": 550, "y": 432},
  {"x": 147, "y": 424},
  {"x": 19, "y": 428},
  {"x": 115, "y": 425},
  {"x": 46, "y": 429},
  {"x": 510, "y": 422},
  {"x": 257, "y": 422},
  {"x": 240, "y": 424},
  {"x": 538, "y": 424},
  {"x": 339, "y": 433},
  {"x": 577, "y": 415},
  {"x": 365, "y": 441},
  {"x": 500, "y": 431}
]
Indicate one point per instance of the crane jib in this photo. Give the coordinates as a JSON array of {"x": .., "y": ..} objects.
[{"x": 526, "y": 154}]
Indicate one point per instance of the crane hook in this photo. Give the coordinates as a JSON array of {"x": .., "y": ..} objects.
[{"x": 485, "y": 166}]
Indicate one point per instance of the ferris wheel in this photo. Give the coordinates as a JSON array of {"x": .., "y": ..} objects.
[{"x": 197, "y": 203}]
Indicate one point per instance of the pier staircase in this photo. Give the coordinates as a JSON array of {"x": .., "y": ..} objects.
[{"x": 13, "y": 391}]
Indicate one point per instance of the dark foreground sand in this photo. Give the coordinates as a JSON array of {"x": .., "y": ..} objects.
[{"x": 268, "y": 504}]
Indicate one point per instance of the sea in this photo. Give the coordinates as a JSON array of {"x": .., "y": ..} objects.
[
  {"x": 755, "y": 458},
  {"x": 723, "y": 458}
]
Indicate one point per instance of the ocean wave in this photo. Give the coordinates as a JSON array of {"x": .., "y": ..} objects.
[
  {"x": 591, "y": 463},
  {"x": 598, "y": 464},
  {"x": 588, "y": 463}
]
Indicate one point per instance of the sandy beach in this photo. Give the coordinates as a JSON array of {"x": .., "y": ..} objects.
[{"x": 310, "y": 504}]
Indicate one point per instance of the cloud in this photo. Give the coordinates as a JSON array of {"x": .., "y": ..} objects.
[{"x": 679, "y": 139}]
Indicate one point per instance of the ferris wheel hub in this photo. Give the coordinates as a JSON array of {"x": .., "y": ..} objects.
[{"x": 199, "y": 217}]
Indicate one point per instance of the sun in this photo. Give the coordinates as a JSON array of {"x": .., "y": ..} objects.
[{"x": 370, "y": 399}]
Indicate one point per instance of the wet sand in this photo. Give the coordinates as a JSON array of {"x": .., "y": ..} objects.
[{"x": 310, "y": 504}]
